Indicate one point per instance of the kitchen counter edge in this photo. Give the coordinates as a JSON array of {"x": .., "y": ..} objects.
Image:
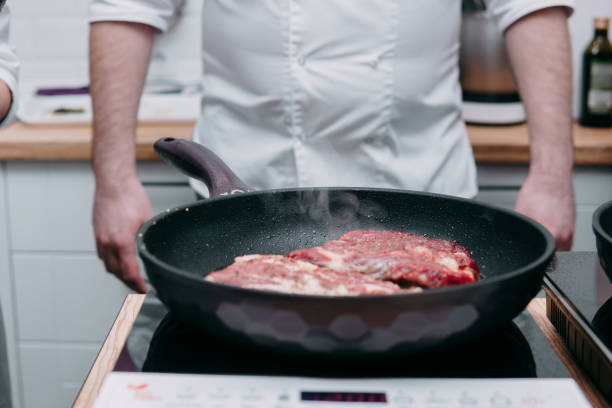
[{"x": 491, "y": 144}]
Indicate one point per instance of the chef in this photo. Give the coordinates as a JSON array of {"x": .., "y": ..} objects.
[
  {"x": 8, "y": 106},
  {"x": 302, "y": 93}
]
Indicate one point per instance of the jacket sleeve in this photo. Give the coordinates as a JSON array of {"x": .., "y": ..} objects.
[
  {"x": 160, "y": 14},
  {"x": 506, "y": 12},
  {"x": 9, "y": 65}
]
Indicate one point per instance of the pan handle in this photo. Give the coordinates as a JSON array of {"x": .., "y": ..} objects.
[{"x": 196, "y": 161}]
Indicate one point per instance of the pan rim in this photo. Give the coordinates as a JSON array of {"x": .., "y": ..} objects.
[
  {"x": 596, "y": 221},
  {"x": 542, "y": 260}
]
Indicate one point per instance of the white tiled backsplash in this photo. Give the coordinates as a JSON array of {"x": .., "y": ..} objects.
[{"x": 51, "y": 39}]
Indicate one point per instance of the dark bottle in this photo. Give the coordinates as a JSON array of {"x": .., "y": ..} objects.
[{"x": 596, "y": 101}]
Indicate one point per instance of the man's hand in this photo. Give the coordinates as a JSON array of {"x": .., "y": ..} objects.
[
  {"x": 119, "y": 210},
  {"x": 551, "y": 203}
]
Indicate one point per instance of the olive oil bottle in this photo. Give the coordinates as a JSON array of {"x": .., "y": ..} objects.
[{"x": 596, "y": 101}]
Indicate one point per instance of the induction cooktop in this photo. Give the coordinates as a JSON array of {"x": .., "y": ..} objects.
[
  {"x": 516, "y": 350},
  {"x": 579, "y": 305}
]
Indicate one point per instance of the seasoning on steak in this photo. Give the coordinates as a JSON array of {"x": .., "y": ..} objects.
[
  {"x": 281, "y": 274},
  {"x": 395, "y": 256}
]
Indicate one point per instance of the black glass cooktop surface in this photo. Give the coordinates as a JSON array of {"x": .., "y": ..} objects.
[
  {"x": 579, "y": 305},
  {"x": 501, "y": 353},
  {"x": 516, "y": 350},
  {"x": 578, "y": 278}
]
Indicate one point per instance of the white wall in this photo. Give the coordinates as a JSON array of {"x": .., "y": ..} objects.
[{"x": 51, "y": 39}]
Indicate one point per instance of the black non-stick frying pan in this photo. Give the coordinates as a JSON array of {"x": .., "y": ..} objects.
[
  {"x": 602, "y": 227},
  {"x": 180, "y": 246}
]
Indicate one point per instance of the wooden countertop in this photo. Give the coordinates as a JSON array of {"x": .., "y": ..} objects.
[
  {"x": 119, "y": 332},
  {"x": 492, "y": 144}
]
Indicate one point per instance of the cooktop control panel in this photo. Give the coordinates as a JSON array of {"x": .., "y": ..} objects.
[{"x": 136, "y": 390}]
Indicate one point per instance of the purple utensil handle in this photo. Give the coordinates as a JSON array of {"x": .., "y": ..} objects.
[
  {"x": 84, "y": 90},
  {"x": 196, "y": 161}
]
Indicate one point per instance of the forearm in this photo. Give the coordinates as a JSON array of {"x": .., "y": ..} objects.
[
  {"x": 539, "y": 49},
  {"x": 540, "y": 54},
  {"x": 119, "y": 58}
]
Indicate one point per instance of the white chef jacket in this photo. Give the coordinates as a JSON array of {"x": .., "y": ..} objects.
[{"x": 301, "y": 93}]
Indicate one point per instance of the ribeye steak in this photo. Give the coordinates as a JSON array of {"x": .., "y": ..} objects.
[
  {"x": 395, "y": 256},
  {"x": 282, "y": 274}
]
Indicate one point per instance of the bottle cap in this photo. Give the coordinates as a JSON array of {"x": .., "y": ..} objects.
[{"x": 602, "y": 23}]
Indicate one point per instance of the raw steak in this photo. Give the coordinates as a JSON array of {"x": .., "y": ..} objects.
[
  {"x": 397, "y": 257},
  {"x": 281, "y": 274}
]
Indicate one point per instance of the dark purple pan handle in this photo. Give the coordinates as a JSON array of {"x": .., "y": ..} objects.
[{"x": 198, "y": 162}]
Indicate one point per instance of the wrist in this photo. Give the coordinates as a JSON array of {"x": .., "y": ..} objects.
[
  {"x": 550, "y": 172},
  {"x": 553, "y": 160},
  {"x": 547, "y": 182},
  {"x": 113, "y": 158},
  {"x": 552, "y": 166},
  {"x": 115, "y": 177}
]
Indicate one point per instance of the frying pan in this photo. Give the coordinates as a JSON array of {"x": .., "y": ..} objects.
[
  {"x": 602, "y": 227},
  {"x": 181, "y": 245}
]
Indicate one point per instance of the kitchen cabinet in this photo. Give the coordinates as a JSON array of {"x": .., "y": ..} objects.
[
  {"x": 58, "y": 301},
  {"x": 6, "y": 290}
]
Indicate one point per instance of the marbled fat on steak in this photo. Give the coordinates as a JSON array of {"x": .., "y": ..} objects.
[
  {"x": 282, "y": 274},
  {"x": 395, "y": 256}
]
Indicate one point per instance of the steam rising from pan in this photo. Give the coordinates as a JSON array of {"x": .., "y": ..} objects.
[{"x": 337, "y": 210}]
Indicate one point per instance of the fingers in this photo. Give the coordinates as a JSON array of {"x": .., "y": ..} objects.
[
  {"x": 119, "y": 257},
  {"x": 556, "y": 212},
  {"x": 119, "y": 210},
  {"x": 109, "y": 255},
  {"x": 564, "y": 241},
  {"x": 128, "y": 263},
  {"x": 563, "y": 234},
  {"x": 563, "y": 246},
  {"x": 136, "y": 283}
]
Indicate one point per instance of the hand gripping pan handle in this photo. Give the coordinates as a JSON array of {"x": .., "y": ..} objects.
[{"x": 196, "y": 161}]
